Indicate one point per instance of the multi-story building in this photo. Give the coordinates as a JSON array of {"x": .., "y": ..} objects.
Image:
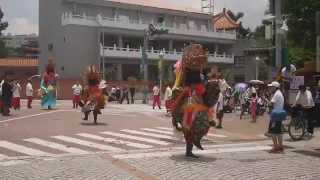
[{"x": 110, "y": 33}]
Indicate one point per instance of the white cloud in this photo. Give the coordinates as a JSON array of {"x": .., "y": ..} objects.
[{"x": 22, "y": 25}]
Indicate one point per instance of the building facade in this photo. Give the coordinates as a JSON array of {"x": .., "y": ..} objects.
[{"x": 110, "y": 34}]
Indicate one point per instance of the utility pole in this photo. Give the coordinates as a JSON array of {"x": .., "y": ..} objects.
[
  {"x": 318, "y": 40},
  {"x": 278, "y": 31}
]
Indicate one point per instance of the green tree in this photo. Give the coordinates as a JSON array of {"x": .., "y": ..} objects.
[
  {"x": 3, "y": 26},
  {"x": 302, "y": 26}
]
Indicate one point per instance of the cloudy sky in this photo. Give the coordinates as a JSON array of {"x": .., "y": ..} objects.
[{"x": 22, "y": 15}]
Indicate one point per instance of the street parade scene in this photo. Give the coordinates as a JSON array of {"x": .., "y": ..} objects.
[{"x": 121, "y": 89}]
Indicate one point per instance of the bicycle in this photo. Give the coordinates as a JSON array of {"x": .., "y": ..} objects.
[{"x": 297, "y": 127}]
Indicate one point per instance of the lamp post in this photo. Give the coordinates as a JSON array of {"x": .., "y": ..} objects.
[
  {"x": 161, "y": 55},
  {"x": 150, "y": 32},
  {"x": 257, "y": 67}
]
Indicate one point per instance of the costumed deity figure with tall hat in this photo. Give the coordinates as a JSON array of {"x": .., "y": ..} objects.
[
  {"x": 93, "y": 99},
  {"x": 48, "y": 87},
  {"x": 193, "y": 98}
]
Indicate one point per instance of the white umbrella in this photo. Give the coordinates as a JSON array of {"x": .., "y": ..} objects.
[{"x": 256, "y": 82}]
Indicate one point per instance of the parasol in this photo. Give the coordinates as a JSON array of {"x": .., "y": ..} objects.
[
  {"x": 257, "y": 82},
  {"x": 241, "y": 87}
]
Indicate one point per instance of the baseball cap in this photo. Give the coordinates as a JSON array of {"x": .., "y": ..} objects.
[{"x": 274, "y": 84}]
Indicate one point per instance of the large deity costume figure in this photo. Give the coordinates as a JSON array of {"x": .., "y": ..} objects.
[
  {"x": 48, "y": 87},
  {"x": 193, "y": 97},
  {"x": 92, "y": 97}
]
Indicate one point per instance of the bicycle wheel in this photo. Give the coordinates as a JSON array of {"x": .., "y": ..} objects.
[{"x": 296, "y": 129}]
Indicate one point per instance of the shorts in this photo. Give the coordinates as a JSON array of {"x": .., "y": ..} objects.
[
  {"x": 275, "y": 127},
  {"x": 220, "y": 114}
]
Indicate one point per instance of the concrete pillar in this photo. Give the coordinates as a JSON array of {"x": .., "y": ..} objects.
[
  {"x": 216, "y": 48},
  {"x": 119, "y": 72},
  {"x": 120, "y": 41},
  {"x": 170, "y": 45}
]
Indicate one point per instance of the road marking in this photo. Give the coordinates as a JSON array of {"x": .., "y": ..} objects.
[
  {"x": 216, "y": 135},
  {"x": 158, "y": 131},
  {"x": 148, "y": 134},
  {"x": 57, "y": 146},
  {"x": 164, "y": 128},
  {"x": 34, "y": 115},
  {"x": 152, "y": 141},
  {"x": 3, "y": 156},
  {"x": 23, "y": 149},
  {"x": 13, "y": 163},
  {"x": 115, "y": 141},
  {"x": 169, "y": 130},
  {"x": 88, "y": 143},
  {"x": 211, "y": 151}
]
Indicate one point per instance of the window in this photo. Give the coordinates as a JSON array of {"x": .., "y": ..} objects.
[{"x": 239, "y": 61}]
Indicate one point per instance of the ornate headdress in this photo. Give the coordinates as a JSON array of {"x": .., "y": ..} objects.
[
  {"x": 50, "y": 68},
  {"x": 93, "y": 76},
  {"x": 194, "y": 57}
]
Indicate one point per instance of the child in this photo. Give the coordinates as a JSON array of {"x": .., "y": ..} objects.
[{"x": 254, "y": 107}]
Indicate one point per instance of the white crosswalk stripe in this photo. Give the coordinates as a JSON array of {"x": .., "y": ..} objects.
[
  {"x": 57, "y": 146},
  {"x": 169, "y": 130},
  {"x": 149, "y": 134},
  {"x": 164, "y": 128},
  {"x": 136, "y": 138},
  {"x": 115, "y": 141},
  {"x": 88, "y": 143},
  {"x": 23, "y": 149},
  {"x": 3, "y": 156},
  {"x": 158, "y": 131}
]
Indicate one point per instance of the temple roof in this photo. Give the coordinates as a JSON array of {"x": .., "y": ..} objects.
[{"x": 224, "y": 21}]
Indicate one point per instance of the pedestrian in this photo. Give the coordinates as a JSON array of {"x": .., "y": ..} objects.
[
  {"x": 253, "y": 107},
  {"x": 317, "y": 103},
  {"x": 220, "y": 111},
  {"x": 125, "y": 95},
  {"x": 278, "y": 115},
  {"x": 244, "y": 101},
  {"x": 156, "y": 97},
  {"x": 6, "y": 96},
  {"x": 77, "y": 89},
  {"x": 167, "y": 97},
  {"x": 132, "y": 93},
  {"x": 48, "y": 86},
  {"x": 1, "y": 102},
  {"x": 305, "y": 100},
  {"x": 16, "y": 95},
  {"x": 118, "y": 94},
  {"x": 29, "y": 94}
]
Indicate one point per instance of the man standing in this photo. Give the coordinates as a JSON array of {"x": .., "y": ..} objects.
[
  {"x": 29, "y": 93},
  {"x": 305, "y": 100},
  {"x": 77, "y": 88},
  {"x": 156, "y": 97},
  {"x": 132, "y": 93},
  {"x": 16, "y": 95},
  {"x": 278, "y": 114},
  {"x": 125, "y": 95},
  {"x": 6, "y": 96},
  {"x": 219, "y": 110}
]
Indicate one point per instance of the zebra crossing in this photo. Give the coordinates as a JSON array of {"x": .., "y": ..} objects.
[{"x": 112, "y": 142}]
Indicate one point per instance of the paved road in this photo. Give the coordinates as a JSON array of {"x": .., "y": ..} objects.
[{"x": 137, "y": 142}]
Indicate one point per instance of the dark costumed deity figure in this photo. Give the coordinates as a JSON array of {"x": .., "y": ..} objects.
[
  {"x": 193, "y": 97},
  {"x": 48, "y": 87},
  {"x": 93, "y": 99}
]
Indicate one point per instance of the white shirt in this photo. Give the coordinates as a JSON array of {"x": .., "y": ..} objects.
[
  {"x": 278, "y": 100},
  {"x": 16, "y": 90},
  {"x": 29, "y": 90},
  {"x": 168, "y": 93},
  {"x": 1, "y": 87},
  {"x": 77, "y": 89},
  {"x": 220, "y": 102},
  {"x": 156, "y": 91},
  {"x": 305, "y": 99}
]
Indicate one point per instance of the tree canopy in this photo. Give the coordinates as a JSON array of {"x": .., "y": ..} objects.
[
  {"x": 300, "y": 17},
  {"x": 3, "y": 26}
]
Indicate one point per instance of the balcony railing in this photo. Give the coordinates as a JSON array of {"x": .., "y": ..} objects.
[
  {"x": 129, "y": 53},
  {"x": 100, "y": 21}
]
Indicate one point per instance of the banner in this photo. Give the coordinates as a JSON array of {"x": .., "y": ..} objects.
[{"x": 296, "y": 81}]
